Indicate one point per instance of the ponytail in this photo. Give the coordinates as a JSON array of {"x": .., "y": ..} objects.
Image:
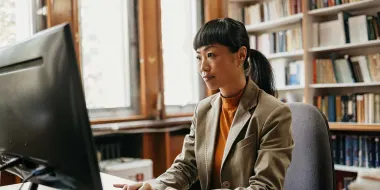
[{"x": 260, "y": 70}]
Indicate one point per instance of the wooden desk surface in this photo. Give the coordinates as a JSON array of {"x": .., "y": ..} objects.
[{"x": 107, "y": 182}]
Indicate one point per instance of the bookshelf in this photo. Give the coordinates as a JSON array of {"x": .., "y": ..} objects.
[
  {"x": 345, "y": 46},
  {"x": 345, "y": 85},
  {"x": 273, "y": 24},
  {"x": 344, "y": 7},
  {"x": 308, "y": 18},
  {"x": 291, "y": 87},
  {"x": 308, "y": 52},
  {"x": 340, "y": 126},
  {"x": 288, "y": 55},
  {"x": 352, "y": 169}
]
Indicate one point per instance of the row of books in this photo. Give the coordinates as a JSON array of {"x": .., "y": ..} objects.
[
  {"x": 288, "y": 72},
  {"x": 360, "y": 108},
  {"x": 289, "y": 40},
  {"x": 356, "y": 150},
  {"x": 346, "y": 29},
  {"x": 271, "y": 10},
  {"x": 347, "y": 70},
  {"x": 317, "y": 4}
]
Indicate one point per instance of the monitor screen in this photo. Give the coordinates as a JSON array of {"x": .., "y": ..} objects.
[{"x": 43, "y": 115}]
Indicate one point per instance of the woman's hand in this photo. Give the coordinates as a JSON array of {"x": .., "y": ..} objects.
[{"x": 136, "y": 186}]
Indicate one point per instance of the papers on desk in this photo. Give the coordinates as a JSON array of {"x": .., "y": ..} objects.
[
  {"x": 128, "y": 168},
  {"x": 366, "y": 180}
]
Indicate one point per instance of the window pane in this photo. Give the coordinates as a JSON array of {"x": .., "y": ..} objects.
[
  {"x": 106, "y": 56},
  {"x": 179, "y": 25},
  {"x": 18, "y": 20},
  {"x": 7, "y": 22}
]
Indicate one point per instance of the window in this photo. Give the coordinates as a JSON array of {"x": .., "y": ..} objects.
[
  {"x": 109, "y": 57},
  {"x": 180, "y": 21},
  {"x": 18, "y": 20}
]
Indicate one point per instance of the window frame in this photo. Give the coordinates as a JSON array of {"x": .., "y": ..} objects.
[
  {"x": 148, "y": 21},
  {"x": 130, "y": 66},
  {"x": 172, "y": 111}
]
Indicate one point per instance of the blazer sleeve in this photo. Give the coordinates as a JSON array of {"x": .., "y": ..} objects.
[
  {"x": 183, "y": 172},
  {"x": 275, "y": 151}
]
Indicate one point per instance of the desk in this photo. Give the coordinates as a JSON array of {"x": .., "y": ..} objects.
[
  {"x": 157, "y": 143},
  {"x": 107, "y": 182}
]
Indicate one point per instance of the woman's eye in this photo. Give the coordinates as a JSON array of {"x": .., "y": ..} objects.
[
  {"x": 210, "y": 55},
  {"x": 198, "y": 58}
]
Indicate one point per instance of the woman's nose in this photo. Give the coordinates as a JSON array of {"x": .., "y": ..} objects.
[{"x": 204, "y": 66}]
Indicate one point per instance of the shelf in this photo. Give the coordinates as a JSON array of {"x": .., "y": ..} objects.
[
  {"x": 260, "y": 27},
  {"x": 288, "y": 55},
  {"x": 346, "y": 46},
  {"x": 344, "y": 85},
  {"x": 142, "y": 126},
  {"x": 344, "y": 7},
  {"x": 341, "y": 126},
  {"x": 290, "y": 87},
  {"x": 352, "y": 169}
]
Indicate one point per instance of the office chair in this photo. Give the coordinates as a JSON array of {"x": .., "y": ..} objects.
[{"x": 312, "y": 165}]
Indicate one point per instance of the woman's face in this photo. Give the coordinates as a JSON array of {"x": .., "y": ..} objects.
[{"x": 218, "y": 66}]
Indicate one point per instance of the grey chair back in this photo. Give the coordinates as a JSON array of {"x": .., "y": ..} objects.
[{"x": 312, "y": 165}]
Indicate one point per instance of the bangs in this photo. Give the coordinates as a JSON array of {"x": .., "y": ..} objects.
[{"x": 216, "y": 32}]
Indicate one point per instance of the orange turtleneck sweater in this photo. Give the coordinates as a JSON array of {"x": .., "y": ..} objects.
[{"x": 229, "y": 107}]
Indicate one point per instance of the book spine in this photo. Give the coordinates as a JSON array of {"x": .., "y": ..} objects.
[
  {"x": 370, "y": 150},
  {"x": 334, "y": 148},
  {"x": 376, "y": 152},
  {"x": 342, "y": 150},
  {"x": 332, "y": 108},
  {"x": 355, "y": 151},
  {"x": 349, "y": 157}
]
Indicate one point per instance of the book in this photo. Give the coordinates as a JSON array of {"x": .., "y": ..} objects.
[
  {"x": 344, "y": 32},
  {"x": 358, "y": 28},
  {"x": 328, "y": 32}
]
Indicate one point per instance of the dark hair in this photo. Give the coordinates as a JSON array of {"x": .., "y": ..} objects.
[{"x": 232, "y": 33}]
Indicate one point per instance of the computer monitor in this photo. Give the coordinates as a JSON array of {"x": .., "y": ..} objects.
[{"x": 43, "y": 115}]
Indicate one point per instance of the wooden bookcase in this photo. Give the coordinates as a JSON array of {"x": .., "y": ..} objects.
[{"x": 309, "y": 53}]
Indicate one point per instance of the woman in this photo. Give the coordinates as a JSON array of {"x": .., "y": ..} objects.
[{"x": 240, "y": 138}]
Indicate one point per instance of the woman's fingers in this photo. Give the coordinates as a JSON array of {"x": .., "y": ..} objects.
[
  {"x": 146, "y": 186},
  {"x": 119, "y": 185},
  {"x": 135, "y": 186}
]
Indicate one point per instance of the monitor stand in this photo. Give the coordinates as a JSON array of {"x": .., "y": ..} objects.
[{"x": 33, "y": 186}]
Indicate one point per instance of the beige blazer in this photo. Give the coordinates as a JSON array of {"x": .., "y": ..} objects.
[{"x": 258, "y": 148}]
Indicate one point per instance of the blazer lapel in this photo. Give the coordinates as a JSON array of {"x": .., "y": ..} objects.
[
  {"x": 211, "y": 131},
  {"x": 240, "y": 119},
  {"x": 242, "y": 115}
]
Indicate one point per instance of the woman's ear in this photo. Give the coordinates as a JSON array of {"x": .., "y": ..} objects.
[{"x": 242, "y": 54}]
